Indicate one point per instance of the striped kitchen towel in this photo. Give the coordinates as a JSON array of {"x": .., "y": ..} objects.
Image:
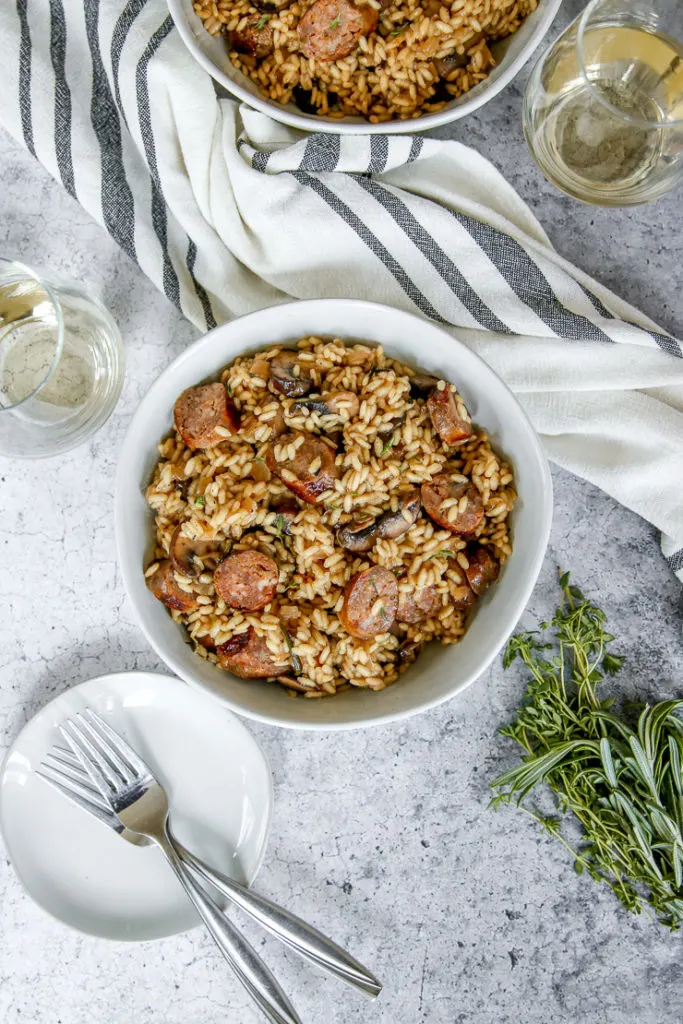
[{"x": 227, "y": 211}]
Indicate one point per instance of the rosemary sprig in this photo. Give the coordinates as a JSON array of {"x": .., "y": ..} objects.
[{"x": 618, "y": 774}]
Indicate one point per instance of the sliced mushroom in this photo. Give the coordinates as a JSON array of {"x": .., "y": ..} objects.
[
  {"x": 387, "y": 429},
  {"x": 286, "y": 511},
  {"x": 452, "y": 62},
  {"x": 292, "y": 684},
  {"x": 421, "y": 384},
  {"x": 185, "y": 551},
  {"x": 336, "y": 403},
  {"x": 288, "y": 376},
  {"x": 408, "y": 652},
  {"x": 358, "y": 535},
  {"x": 361, "y": 536}
]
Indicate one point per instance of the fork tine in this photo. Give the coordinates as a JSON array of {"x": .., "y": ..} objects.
[
  {"x": 76, "y": 796},
  {"x": 120, "y": 769},
  {"x": 123, "y": 749},
  {"x": 75, "y": 772},
  {"x": 90, "y": 758}
]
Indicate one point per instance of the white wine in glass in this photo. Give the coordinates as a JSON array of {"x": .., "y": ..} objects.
[{"x": 603, "y": 112}]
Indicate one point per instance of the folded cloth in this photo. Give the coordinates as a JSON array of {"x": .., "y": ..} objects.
[{"x": 228, "y": 211}]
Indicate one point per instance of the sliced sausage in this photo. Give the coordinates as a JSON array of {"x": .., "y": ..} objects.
[
  {"x": 414, "y": 608},
  {"x": 370, "y": 602},
  {"x": 247, "y": 655},
  {"x": 247, "y": 580},
  {"x": 310, "y": 472},
  {"x": 255, "y": 38},
  {"x": 165, "y": 588},
  {"x": 205, "y": 416},
  {"x": 448, "y": 414},
  {"x": 289, "y": 376},
  {"x": 483, "y": 568},
  {"x": 443, "y": 499},
  {"x": 463, "y": 598},
  {"x": 330, "y": 29}
]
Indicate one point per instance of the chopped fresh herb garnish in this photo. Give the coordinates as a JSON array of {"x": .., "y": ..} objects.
[
  {"x": 200, "y": 500},
  {"x": 442, "y": 554},
  {"x": 228, "y": 388},
  {"x": 401, "y": 28},
  {"x": 390, "y": 444},
  {"x": 259, "y": 24},
  {"x": 280, "y": 526},
  {"x": 296, "y": 661},
  {"x": 330, "y": 504},
  {"x": 258, "y": 459},
  {"x": 336, "y": 23}
]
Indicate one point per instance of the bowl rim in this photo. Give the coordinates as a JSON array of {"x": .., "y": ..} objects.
[
  {"x": 123, "y": 485},
  {"x": 342, "y": 127}
]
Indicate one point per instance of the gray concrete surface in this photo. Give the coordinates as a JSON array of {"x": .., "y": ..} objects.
[{"x": 381, "y": 837}]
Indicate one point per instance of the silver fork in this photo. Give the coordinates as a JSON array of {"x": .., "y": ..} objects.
[
  {"x": 75, "y": 775},
  {"x": 65, "y": 772},
  {"x": 133, "y": 794}
]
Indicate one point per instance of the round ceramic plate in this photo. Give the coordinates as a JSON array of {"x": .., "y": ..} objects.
[{"x": 220, "y": 793}]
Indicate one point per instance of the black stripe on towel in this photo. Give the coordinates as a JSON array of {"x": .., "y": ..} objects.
[
  {"x": 200, "y": 290},
  {"x": 675, "y": 561},
  {"x": 373, "y": 243},
  {"x": 118, "y": 40},
  {"x": 415, "y": 149},
  {"x": 528, "y": 282},
  {"x": 433, "y": 252},
  {"x": 62, "y": 96},
  {"x": 667, "y": 344},
  {"x": 321, "y": 153},
  {"x": 259, "y": 160},
  {"x": 379, "y": 153},
  {"x": 118, "y": 206},
  {"x": 25, "y": 76},
  {"x": 159, "y": 213}
]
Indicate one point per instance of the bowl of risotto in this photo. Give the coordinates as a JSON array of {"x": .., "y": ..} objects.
[
  {"x": 330, "y": 514},
  {"x": 367, "y": 66}
]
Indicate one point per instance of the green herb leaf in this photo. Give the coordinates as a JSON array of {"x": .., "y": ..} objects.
[
  {"x": 336, "y": 23},
  {"x": 259, "y": 24},
  {"x": 390, "y": 444},
  {"x": 442, "y": 554},
  {"x": 294, "y": 658},
  {"x": 401, "y": 28},
  {"x": 200, "y": 500},
  {"x": 618, "y": 774},
  {"x": 228, "y": 388},
  {"x": 280, "y": 526}
]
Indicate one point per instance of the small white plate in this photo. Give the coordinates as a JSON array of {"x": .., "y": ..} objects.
[{"x": 220, "y": 793}]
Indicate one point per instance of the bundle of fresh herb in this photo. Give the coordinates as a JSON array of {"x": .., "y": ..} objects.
[{"x": 619, "y": 774}]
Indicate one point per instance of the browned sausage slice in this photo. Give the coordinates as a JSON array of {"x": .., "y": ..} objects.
[
  {"x": 310, "y": 472},
  {"x": 448, "y": 414},
  {"x": 425, "y": 604},
  {"x": 370, "y": 602},
  {"x": 457, "y": 507},
  {"x": 247, "y": 655},
  {"x": 330, "y": 29},
  {"x": 255, "y": 38},
  {"x": 165, "y": 588},
  {"x": 463, "y": 598},
  {"x": 483, "y": 568},
  {"x": 247, "y": 580},
  {"x": 288, "y": 376},
  {"x": 205, "y": 416}
]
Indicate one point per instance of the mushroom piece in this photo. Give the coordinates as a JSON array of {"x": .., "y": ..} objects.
[
  {"x": 334, "y": 403},
  {"x": 283, "y": 377},
  {"x": 408, "y": 652},
  {"x": 387, "y": 429},
  {"x": 421, "y": 383},
  {"x": 391, "y": 525},
  {"x": 184, "y": 552},
  {"x": 286, "y": 511}
]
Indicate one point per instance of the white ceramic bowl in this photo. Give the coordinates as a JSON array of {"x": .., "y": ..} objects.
[
  {"x": 511, "y": 54},
  {"x": 439, "y": 672}
]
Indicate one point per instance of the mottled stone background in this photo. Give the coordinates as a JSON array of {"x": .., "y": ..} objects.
[{"x": 381, "y": 837}]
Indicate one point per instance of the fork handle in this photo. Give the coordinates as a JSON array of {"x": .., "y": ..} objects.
[
  {"x": 305, "y": 940},
  {"x": 257, "y": 979}
]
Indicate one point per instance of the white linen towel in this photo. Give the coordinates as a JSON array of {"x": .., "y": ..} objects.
[{"x": 228, "y": 211}]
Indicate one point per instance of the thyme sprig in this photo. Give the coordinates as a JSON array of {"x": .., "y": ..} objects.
[{"x": 618, "y": 774}]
